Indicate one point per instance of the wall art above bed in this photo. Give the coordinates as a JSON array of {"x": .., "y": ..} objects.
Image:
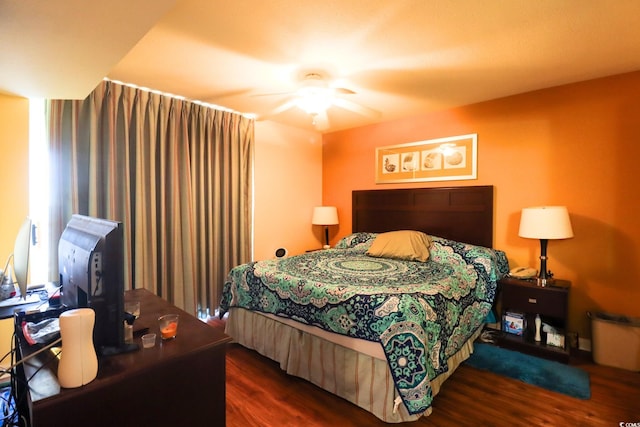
[{"x": 442, "y": 159}]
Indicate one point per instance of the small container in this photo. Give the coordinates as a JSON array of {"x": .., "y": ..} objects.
[
  {"x": 168, "y": 325},
  {"x": 148, "y": 340}
]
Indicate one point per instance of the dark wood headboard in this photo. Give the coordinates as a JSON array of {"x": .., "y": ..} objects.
[{"x": 464, "y": 214}]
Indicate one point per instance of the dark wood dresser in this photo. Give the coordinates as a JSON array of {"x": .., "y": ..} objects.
[{"x": 178, "y": 382}]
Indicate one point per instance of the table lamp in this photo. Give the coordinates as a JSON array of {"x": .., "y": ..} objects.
[
  {"x": 544, "y": 223},
  {"x": 326, "y": 216}
]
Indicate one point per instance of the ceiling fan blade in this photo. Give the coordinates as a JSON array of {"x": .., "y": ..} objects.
[
  {"x": 321, "y": 121},
  {"x": 274, "y": 93},
  {"x": 343, "y": 91},
  {"x": 283, "y": 107},
  {"x": 278, "y": 110},
  {"x": 356, "y": 108}
]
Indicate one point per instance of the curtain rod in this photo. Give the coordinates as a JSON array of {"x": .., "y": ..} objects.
[{"x": 183, "y": 98}]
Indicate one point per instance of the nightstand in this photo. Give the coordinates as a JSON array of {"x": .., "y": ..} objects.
[{"x": 550, "y": 302}]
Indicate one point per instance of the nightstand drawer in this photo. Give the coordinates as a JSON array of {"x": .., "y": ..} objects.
[{"x": 543, "y": 301}]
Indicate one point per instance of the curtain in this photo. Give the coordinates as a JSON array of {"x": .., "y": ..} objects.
[{"x": 176, "y": 173}]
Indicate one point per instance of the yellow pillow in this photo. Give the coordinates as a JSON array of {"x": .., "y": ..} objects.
[{"x": 404, "y": 244}]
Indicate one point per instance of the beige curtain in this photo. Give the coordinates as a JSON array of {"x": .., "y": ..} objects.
[{"x": 176, "y": 173}]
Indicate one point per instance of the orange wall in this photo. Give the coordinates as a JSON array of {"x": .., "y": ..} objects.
[
  {"x": 288, "y": 184},
  {"x": 14, "y": 169},
  {"x": 576, "y": 145},
  {"x": 14, "y": 181}
]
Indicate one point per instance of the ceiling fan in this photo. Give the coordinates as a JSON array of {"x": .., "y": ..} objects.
[{"x": 315, "y": 96}]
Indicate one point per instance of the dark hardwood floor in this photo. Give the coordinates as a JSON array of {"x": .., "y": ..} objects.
[{"x": 259, "y": 393}]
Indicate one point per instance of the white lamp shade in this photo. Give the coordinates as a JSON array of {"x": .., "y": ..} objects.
[
  {"x": 325, "y": 215},
  {"x": 545, "y": 222}
]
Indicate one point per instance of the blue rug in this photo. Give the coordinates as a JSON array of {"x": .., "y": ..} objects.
[{"x": 543, "y": 373}]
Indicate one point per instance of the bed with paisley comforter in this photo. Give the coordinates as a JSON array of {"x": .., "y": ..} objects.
[{"x": 380, "y": 329}]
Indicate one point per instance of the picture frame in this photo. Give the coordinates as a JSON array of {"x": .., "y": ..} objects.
[{"x": 441, "y": 159}]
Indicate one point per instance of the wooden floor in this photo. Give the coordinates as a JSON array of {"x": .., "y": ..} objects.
[{"x": 259, "y": 393}]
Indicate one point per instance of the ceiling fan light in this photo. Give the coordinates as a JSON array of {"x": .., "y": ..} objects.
[{"x": 314, "y": 100}]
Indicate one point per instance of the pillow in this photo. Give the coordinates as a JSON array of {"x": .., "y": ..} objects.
[{"x": 404, "y": 244}]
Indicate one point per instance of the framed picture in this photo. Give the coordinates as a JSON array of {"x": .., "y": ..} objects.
[{"x": 442, "y": 159}]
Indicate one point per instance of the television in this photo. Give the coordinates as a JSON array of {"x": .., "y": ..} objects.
[{"x": 91, "y": 266}]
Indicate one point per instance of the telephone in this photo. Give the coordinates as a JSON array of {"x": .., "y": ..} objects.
[{"x": 523, "y": 272}]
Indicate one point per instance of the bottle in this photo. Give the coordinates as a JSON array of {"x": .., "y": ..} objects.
[{"x": 538, "y": 322}]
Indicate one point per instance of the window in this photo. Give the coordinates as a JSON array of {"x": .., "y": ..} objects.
[{"x": 38, "y": 191}]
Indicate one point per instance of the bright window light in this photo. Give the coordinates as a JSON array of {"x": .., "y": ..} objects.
[{"x": 38, "y": 191}]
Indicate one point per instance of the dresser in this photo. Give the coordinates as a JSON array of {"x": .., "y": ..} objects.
[{"x": 177, "y": 382}]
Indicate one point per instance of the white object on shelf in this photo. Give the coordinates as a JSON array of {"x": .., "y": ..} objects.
[{"x": 538, "y": 322}]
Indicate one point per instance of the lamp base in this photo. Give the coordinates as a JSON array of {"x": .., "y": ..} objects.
[
  {"x": 545, "y": 277},
  {"x": 548, "y": 281}
]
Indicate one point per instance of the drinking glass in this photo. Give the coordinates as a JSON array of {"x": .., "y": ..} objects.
[
  {"x": 133, "y": 308},
  {"x": 168, "y": 325}
]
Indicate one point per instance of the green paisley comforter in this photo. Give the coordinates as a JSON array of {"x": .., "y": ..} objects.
[{"x": 421, "y": 313}]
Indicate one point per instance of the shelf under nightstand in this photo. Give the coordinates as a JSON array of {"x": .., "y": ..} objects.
[{"x": 550, "y": 302}]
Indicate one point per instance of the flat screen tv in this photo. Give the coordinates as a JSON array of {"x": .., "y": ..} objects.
[{"x": 91, "y": 265}]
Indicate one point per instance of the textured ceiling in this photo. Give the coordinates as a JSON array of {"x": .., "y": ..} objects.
[
  {"x": 63, "y": 48},
  {"x": 400, "y": 57}
]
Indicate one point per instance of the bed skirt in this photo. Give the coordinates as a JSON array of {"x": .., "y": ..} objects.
[{"x": 361, "y": 379}]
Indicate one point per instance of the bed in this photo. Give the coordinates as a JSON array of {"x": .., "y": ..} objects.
[{"x": 379, "y": 326}]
